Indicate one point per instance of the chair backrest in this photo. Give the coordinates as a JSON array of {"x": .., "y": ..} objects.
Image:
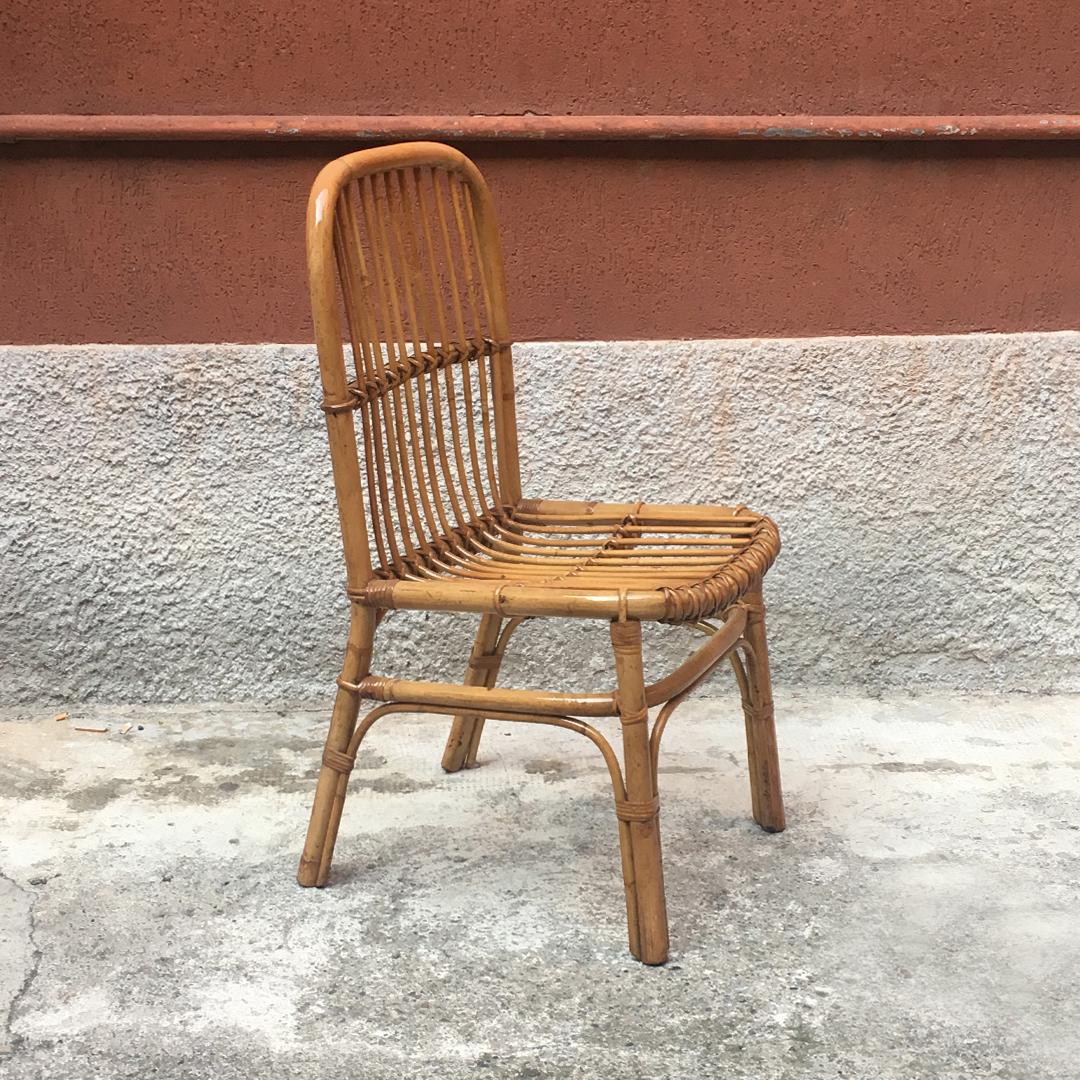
[{"x": 403, "y": 242}]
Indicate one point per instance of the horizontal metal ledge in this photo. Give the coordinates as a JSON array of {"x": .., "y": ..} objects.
[{"x": 885, "y": 128}]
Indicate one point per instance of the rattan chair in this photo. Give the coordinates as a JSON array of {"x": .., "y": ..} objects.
[{"x": 406, "y": 270}]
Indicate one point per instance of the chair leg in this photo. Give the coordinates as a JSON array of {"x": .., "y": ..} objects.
[
  {"x": 765, "y": 790},
  {"x": 330, "y": 790},
  {"x": 639, "y": 814},
  {"x": 465, "y": 731}
]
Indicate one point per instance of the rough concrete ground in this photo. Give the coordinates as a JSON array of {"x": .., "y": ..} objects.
[{"x": 918, "y": 918}]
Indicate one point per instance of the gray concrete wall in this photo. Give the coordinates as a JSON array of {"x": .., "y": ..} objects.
[{"x": 169, "y": 533}]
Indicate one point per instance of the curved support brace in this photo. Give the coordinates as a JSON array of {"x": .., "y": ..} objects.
[
  {"x": 659, "y": 724},
  {"x": 665, "y": 713},
  {"x": 723, "y": 641},
  {"x": 750, "y": 673},
  {"x": 739, "y": 668},
  {"x": 567, "y": 722},
  {"x": 508, "y": 633},
  {"x": 720, "y": 642},
  {"x": 342, "y": 762},
  {"x": 743, "y": 668}
]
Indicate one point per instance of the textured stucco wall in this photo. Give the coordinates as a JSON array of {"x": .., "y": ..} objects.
[{"x": 169, "y": 533}]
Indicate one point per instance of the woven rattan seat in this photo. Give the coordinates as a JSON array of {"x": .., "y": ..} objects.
[
  {"x": 406, "y": 277},
  {"x": 672, "y": 563}
]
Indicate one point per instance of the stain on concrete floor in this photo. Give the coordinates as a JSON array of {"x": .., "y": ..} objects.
[{"x": 916, "y": 920}]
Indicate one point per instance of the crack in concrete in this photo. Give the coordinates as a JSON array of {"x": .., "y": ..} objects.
[{"x": 9, "y": 1042}]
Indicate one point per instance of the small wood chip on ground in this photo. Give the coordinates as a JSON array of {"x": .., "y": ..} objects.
[
  {"x": 125, "y": 728},
  {"x": 61, "y": 716},
  {"x": 98, "y": 729}
]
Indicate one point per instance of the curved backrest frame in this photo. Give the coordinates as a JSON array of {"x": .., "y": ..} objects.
[{"x": 347, "y": 189}]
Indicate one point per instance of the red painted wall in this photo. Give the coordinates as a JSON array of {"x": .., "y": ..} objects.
[{"x": 129, "y": 242}]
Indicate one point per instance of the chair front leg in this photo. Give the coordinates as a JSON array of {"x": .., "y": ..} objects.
[
  {"x": 639, "y": 813},
  {"x": 334, "y": 775},
  {"x": 484, "y": 662},
  {"x": 756, "y": 686}
]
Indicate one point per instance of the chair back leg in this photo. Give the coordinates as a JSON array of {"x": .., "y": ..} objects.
[
  {"x": 464, "y": 740},
  {"x": 639, "y": 813},
  {"x": 755, "y": 684}
]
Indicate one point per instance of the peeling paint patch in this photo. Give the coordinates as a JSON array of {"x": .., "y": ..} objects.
[{"x": 789, "y": 133}]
